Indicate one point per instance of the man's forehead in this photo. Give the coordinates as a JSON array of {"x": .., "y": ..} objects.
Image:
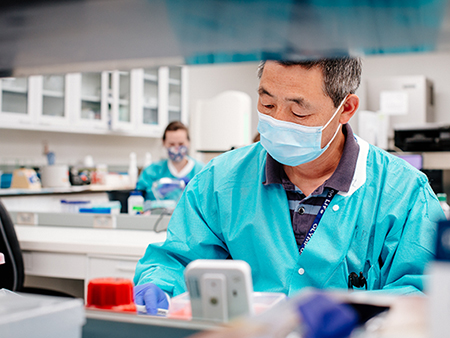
[
  {"x": 274, "y": 71},
  {"x": 280, "y": 75}
]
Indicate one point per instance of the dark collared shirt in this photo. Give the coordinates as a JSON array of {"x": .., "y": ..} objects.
[{"x": 304, "y": 209}]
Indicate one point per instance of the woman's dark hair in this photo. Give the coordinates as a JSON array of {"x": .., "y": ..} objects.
[{"x": 173, "y": 126}]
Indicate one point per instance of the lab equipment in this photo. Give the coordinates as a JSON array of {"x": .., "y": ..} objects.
[
  {"x": 373, "y": 127},
  {"x": 180, "y": 306},
  {"x": 80, "y": 175},
  {"x": 74, "y": 206},
  {"x": 55, "y": 176},
  {"x": 26, "y": 315},
  {"x": 442, "y": 197},
  {"x": 422, "y": 137},
  {"x": 154, "y": 299},
  {"x": 219, "y": 290},
  {"x": 224, "y": 122},
  {"x": 113, "y": 294},
  {"x": 402, "y": 98},
  {"x": 291, "y": 143},
  {"x": 133, "y": 170},
  {"x": 135, "y": 203},
  {"x": 227, "y": 211},
  {"x": 309, "y": 315}
]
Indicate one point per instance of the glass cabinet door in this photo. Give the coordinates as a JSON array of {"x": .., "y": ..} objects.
[
  {"x": 119, "y": 101},
  {"x": 150, "y": 97},
  {"x": 53, "y": 95},
  {"x": 124, "y": 89},
  {"x": 88, "y": 96},
  {"x": 175, "y": 93},
  {"x": 14, "y": 95},
  {"x": 91, "y": 96}
]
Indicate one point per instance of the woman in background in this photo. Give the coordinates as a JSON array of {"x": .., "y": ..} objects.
[{"x": 179, "y": 165}]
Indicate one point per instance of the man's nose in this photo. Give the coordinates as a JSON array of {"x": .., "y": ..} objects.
[{"x": 280, "y": 113}]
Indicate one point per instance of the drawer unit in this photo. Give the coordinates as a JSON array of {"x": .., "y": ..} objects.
[{"x": 61, "y": 265}]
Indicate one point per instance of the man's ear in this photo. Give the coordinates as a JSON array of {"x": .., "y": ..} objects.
[{"x": 350, "y": 107}]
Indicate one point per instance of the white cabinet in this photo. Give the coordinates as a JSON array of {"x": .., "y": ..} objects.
[
  {"x": 88, "y": 97},
  {"x": 51, "y": 102},
  {"x": 16, "y": 102},
  {"x": 151, "y": 100},
  {"x": 140, "y": 102},
  {"x": 120, "y": 102},
  {"x": 161, "y": 97},
  {"x": 111, "y": 266},
  {"x": 177, "y": 94}
]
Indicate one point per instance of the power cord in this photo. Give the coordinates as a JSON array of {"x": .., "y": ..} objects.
[{"x": 165, "y": 211}]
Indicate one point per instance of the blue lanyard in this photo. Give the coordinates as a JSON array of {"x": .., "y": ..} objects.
[{"x": 313, "y": 228}]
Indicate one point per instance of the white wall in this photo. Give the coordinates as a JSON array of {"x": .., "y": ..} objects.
[{"x": 26, "y": 147}]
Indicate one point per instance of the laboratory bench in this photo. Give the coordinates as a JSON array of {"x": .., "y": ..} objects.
[
  {"x": 49, "y": 199},
  {"x": 66, "y": 258},
  {"x": 76, "y": 189}
]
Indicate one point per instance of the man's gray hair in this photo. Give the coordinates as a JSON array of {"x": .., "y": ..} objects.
[{"x": 342, "y": 76}]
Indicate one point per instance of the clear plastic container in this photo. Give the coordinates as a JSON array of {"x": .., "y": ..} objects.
[
  {"x": 135, "y": 203},
  {"x": 39, "y": 316},
  {"x": 180, "y": 306},
  {"x": 111, "y": 207},
  {"x": 74, "y": 206}
]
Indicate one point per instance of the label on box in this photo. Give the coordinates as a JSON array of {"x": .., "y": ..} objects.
[
  {"x": 104, "y": 221},
  {"x": 394, "y": 102},
  {"x": 26, "y": 218}
]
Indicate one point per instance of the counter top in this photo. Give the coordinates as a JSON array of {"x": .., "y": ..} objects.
[
  {"x": 86, "y": 240},
  {"x": 68, "y": 190}
]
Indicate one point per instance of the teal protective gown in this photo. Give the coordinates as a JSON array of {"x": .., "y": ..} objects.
[
  {"x": 158, "y": 170},
  {"x": 384, "y": 227}
]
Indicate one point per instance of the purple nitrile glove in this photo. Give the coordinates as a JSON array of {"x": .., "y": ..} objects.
[
  {"x": 152, "y": 297},
  {"x": 325, "y": 317}
]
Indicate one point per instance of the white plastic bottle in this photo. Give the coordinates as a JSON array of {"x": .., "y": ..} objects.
[
  {"x": 133, "y": 170},
  {"x": 443, "y": 201},
  {"x": 147, "y": 160},
  {"x": 135, "y": 203}
]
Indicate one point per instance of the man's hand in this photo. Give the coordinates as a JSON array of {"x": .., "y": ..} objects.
[{"x": 152, "y": 297}]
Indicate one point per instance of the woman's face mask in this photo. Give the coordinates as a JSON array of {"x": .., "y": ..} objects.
[
  {"x": 290, "y": 143},
  {"x": 177, "y": 154}
]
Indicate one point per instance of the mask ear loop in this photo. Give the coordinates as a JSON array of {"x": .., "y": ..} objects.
[
  {"x": 339, "y": 127},
  {"x": 332, "y": 117}
]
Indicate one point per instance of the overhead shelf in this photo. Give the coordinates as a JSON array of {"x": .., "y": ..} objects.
[{"x": 91, "y": 98}]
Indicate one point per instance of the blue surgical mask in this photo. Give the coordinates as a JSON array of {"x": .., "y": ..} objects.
[
  {"x": 177, "y": 154},
  {"x": 290, "y": 143}
]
